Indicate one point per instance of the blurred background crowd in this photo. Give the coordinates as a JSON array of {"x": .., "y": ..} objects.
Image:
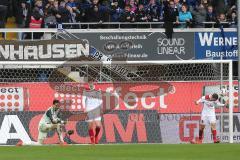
[{"x": 175, "y": 13}]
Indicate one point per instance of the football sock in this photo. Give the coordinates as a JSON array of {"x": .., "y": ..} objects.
[
  {"x": 91, "y": 135},
  {"x": 201, "y": 134},
  {"x": 214, "y": 133},
  {"x": 97, "y": 130}
]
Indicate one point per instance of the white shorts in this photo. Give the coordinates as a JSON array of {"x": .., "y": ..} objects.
[
  {"x": 43, "y": 130},
  {"x": 205, "y": 120},
  {"x": 94, "y": 115}
]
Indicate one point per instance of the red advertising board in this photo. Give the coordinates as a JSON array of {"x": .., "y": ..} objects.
[
  {"x": 171, "y": 97},
  {"x": 118, "y": 127}
]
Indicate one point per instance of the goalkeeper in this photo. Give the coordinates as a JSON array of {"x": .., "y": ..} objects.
[{"x": 50, "y": 121}]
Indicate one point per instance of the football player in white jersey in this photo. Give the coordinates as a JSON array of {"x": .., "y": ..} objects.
[
  {"x": 50, "y": 121},
  {"x": 92, "y": 100},
  {"x": 208, "y": 116}
]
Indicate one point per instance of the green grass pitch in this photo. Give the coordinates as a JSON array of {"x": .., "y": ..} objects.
[{"x": 123, "y": 152}]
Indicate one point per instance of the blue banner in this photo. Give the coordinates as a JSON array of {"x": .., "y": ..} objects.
[{"x": 216, "y": 45}]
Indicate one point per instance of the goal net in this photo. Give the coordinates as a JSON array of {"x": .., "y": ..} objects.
[{"x": 143, "y": 102}]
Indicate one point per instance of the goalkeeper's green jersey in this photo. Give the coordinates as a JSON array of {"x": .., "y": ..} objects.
[{"x": 50, "y": 116}]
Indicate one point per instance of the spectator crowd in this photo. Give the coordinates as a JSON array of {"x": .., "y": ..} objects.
[{"x": 172, "y": 13}]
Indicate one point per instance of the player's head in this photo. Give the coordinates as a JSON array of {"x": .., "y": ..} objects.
[
  {"x": 214, "y": 97},
  {"x": 91, "y": 84},
  {"x": 56, "y": 103}
]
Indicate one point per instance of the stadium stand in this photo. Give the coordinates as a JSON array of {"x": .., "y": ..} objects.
[{"x": 75, "y": 13}]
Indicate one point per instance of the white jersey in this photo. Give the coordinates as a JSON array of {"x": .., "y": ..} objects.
[
  {"x": 50, "y": 116},
  {"x": 209, "y": 106},
  {"x": 92, "y": 99}
]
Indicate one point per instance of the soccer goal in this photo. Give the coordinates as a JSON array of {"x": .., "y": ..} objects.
[{"x": 169, "y": 88}]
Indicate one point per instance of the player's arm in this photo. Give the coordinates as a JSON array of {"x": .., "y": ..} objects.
[
  {"x": 54, "y": 119},
  {"x": 197, "y": 102},
  {"x": 201, "y": 100},
  {"x": 219, "y": 104},
  {"x": 59, "y": 117},
  {"x": 50, "y": 116}
]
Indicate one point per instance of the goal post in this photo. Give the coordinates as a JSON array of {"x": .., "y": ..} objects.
[
  {"x": 230, "y": 102},
  {"x": 135, "y": 78}
]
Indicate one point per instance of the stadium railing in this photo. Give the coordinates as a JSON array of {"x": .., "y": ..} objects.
[
  {"x": 107, "y": 25},
  {"x": 50, "y": 31}
]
